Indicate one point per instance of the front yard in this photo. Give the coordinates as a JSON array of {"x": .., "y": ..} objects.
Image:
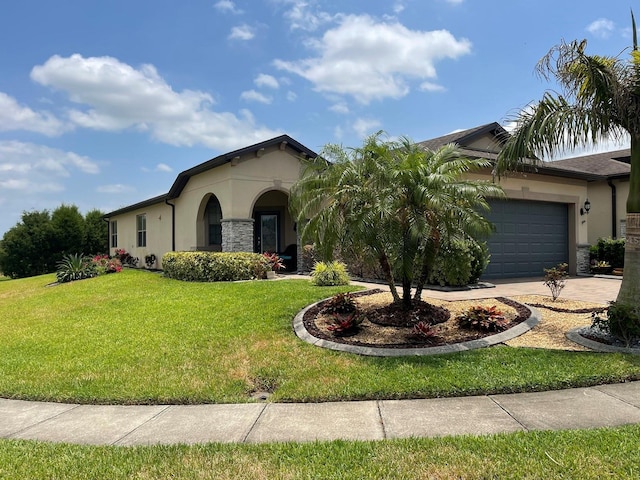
[{"x": 136, "y": 337}]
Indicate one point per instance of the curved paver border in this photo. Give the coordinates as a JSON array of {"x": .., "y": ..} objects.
[
  {"x": 574, "y": 336},
  {"x": 303, "y": 334}
]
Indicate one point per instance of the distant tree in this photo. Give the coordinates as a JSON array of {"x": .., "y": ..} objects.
[
  {"x": 25, "y": 249},
  {"x": 68, "y": 228},
  {"x": 96, "y": 233}
]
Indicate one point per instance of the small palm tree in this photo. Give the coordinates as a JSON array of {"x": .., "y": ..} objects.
[
  {"x": 600, "y": 100},
  {"x": 394, "y": 201}
]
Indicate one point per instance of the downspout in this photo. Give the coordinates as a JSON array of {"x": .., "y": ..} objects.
[
  {"x": 173, "y": 224},
  {"x": 614, "y": 220},
  {"x": 108, "y": 235}
]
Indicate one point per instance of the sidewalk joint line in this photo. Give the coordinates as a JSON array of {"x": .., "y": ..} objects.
[
  {"x": 167, "y": 407},
  {"x": 253, "y": 425},
  {"x": 491, "y": 397},
  {"x": 384, "y": 430},
  {"x": 72, "y": 405}
]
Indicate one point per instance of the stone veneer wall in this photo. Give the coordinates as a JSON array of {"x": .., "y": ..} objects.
[
  {"x": 582, "y": 260},
  {"x": 237, "y": 235}
]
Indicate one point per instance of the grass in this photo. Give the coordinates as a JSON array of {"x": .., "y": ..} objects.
[
  {"x": 137, "y": 337},
  {"x": 586, "y": 454}
]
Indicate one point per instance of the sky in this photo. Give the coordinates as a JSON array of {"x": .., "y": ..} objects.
[{"x": 103, "y": 103}]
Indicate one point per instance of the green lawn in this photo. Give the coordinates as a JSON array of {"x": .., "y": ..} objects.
[
  {"x": 587, "y": 454},
  {"x": 137, "y": 337}
]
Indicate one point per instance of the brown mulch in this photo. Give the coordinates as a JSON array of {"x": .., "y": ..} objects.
[{"x": 388, "y": 326}]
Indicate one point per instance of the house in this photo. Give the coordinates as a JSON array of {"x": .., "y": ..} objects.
[{"x": 239, "y": 202}]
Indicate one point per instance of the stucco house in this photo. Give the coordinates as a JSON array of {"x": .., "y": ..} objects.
[{"x": 238, "y": 201}]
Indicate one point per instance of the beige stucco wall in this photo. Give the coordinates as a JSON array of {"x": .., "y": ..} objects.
[
  {"x": 158, "y": 218},
  {"x": 237, "y": 185},
  {"x": 599, "y": 218}
]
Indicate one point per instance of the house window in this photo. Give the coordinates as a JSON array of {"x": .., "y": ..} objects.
[
  {"x": 623, "y": 228},
  {"x": 141, "y": 228},
  {"x": 114, "y": 233},
  {"x": 214, "y": 218}
]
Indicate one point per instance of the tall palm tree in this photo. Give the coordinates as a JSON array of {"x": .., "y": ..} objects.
[
  {"x": 395, "y": 202},
  {"x": 600, "y": 100}
]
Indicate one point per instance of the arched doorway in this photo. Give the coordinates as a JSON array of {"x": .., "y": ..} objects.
[
  {"x": 274, "y": 229},
  {"x": 209, "y": 226}
]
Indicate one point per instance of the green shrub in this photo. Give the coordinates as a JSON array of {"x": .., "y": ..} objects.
[
  {"x": 621, "y": 321},
  {"x": 609, "y": 251},
  {"x": 75, "y": 267},
  {"x": 214, "y": 266},
  {"x": 459, "y": 263},
  {"x": 340, "y": 303},
  {"x": 327, "y": 274}
]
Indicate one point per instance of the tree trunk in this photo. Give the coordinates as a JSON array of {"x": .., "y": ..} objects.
[
  {"x": 406, "y": 293},
  {"x": 386, "y": 269},
  {"x": 630, "y": 288}
]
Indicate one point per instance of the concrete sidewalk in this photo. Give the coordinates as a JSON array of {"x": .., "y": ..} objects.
[{"x": 606, "y": 405}]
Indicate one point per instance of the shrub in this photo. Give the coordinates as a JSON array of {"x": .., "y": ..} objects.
[
  {"x": 214, "y": 266},
  {"x": 459, "y": 263},
  {"x": 555, "y": 278},
  {"x": 275, "y": 262},
  {"x": 621, "y": 321},
  {"x": 345, "y": 323},
  {"x": 308, "y": 257},
  {"x": 75, "y": 267},
  {"x": 488, "y": 319},
  {"x": 103, "y": 264},
  {"x": 126, "y": 258},
  {"x": 609, "y": 251},
  {"x": 150, "y": 260},
  {"x": 327, "y": 274},
  {"x": 340, "y": 303},
  {"x": 424, "y": 329}
]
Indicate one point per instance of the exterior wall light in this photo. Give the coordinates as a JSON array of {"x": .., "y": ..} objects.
[{"x": 584, "y": 210}]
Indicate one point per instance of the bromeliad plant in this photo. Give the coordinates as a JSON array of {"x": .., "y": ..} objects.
[
  {"x": 485, "y": 319},
  {"x": 424, "y": 329},
  {"x": 75, "y": 267},
  {"x": 340, "y": 303},
  {"x": 275, "y": 262},
  {"x": 345, "y": 323}
]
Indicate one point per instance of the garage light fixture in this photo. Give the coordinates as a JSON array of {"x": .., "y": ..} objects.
[{"x": 584, "y": 210}]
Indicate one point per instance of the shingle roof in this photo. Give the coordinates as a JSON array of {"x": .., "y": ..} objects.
[
  {"x": 464, "y": 137},
  {"x": 607, "y": 164}
]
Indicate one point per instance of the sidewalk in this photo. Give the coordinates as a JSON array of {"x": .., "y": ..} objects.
[{"x": 601, "y": 406}]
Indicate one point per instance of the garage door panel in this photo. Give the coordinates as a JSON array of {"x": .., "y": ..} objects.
[{"x": 529, "y": 236}]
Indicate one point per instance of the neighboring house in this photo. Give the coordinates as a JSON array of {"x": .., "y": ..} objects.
[{"x": 239, "y": 202}]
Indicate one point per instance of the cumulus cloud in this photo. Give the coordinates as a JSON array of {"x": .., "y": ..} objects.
[
  {"x": 292, "y": 96},
  {"x": 305, "y": 15},
  {"x": 366, "y": 126},
  {"x": 115, "y": 188},
  {"x": 115, "y": 96},
  {"x": 254, "y": 96},
  {"x": 340, "y": 108},
  {"x": 163, "y": 167},
  {"x": 431, "y": 87},
  {"x": 264, "y": 80},
  {"x": 242, "y": 32},
  {"x": 227, "y": 6},
  {"x": 14, "y": 116},
  {"x": 602, "y": 28},
  {"x": 372, "y": 60}
]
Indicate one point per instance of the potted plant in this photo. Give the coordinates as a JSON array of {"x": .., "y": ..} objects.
[
  {"x": 601, "y": 267},
  {"x": 275, "y": 264}
]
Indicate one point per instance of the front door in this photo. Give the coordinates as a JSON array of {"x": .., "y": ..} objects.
[{"x": 267, "y": 232}]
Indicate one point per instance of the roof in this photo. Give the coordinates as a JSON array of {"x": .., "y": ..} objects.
[
  {"x": 183, "y": 177},
  {"x": 465, "y": 137},
  {"x": 608, "y": 164}
]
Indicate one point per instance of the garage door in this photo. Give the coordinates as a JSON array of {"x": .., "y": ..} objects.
[{"x": 530, "y": 236}]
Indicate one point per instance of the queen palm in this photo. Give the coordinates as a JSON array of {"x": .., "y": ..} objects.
[
  {"x": 394, "y": 202},
  {"x": 600, "y": 99}
]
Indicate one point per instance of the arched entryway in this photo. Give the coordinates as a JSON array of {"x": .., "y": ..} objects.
[
  {"x": 209, "y": 225},
  {"x": 274, "y": 228}
]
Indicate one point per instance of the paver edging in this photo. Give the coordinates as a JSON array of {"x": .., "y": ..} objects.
[
  {"x": 574, "y": 336},
  {"x": 303, "y": 334}
]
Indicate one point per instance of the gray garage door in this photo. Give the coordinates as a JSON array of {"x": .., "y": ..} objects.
[{"x": 529, "y": 237}]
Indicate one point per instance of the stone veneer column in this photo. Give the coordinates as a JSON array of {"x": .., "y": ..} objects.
[
  {"x": 582, "y": 259},
  {"x": 237, "y": 235}
]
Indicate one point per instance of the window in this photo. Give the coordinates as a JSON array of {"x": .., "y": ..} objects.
[
  {"x": 214, "y": 218},
  {"x": 141, "y": 227},
  {"x": 114, "y": 233},
  {"x": 623, "y": 228}
]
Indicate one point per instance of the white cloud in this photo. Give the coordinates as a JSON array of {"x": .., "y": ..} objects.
[
  {"x": 601, "y": 28},
  {"x": 264, "y": 80},
  {"x": 254, "y": 96},
  {"x": 163, "y": 167},
  {"x": 338, "y": 132},
  {"x": 365, "y": 126},
  {"x": 115, "y": 188},
  {"x": 304, "y": 15},
  {"x": 115, "y": 96},
  {"x": 340, "y": 108},
  {"x": 14, "y": 116},
  {"x": 398, "y": 7},
  {"x": 291, "y": 96},
  {"x": 227, "y": 6},
  {"x": 242, "y": 32},
  {"x": 455, "y": 2},
  {"x": 372, "y": 60},
  {"x": 431, "y": 87}
]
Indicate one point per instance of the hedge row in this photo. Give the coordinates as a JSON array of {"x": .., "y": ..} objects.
[{"x": 214, "y": 266}]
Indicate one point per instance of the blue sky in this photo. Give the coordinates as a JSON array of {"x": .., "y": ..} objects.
[{"x": 103, "y": 103}]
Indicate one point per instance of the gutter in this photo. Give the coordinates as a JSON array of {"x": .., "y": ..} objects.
[
  {"x": 614, "y": 220},
  {"x": 173, "y": 224}
]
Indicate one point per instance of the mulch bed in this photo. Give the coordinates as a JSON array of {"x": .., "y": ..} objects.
[
  {"x": 569, "y": 310},
  {"x": 392, "y": 315}
]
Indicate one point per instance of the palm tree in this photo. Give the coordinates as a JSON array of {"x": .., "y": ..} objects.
[
  {"x": 600, "y": 100},
  {"x": 393, "y": 201}
]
